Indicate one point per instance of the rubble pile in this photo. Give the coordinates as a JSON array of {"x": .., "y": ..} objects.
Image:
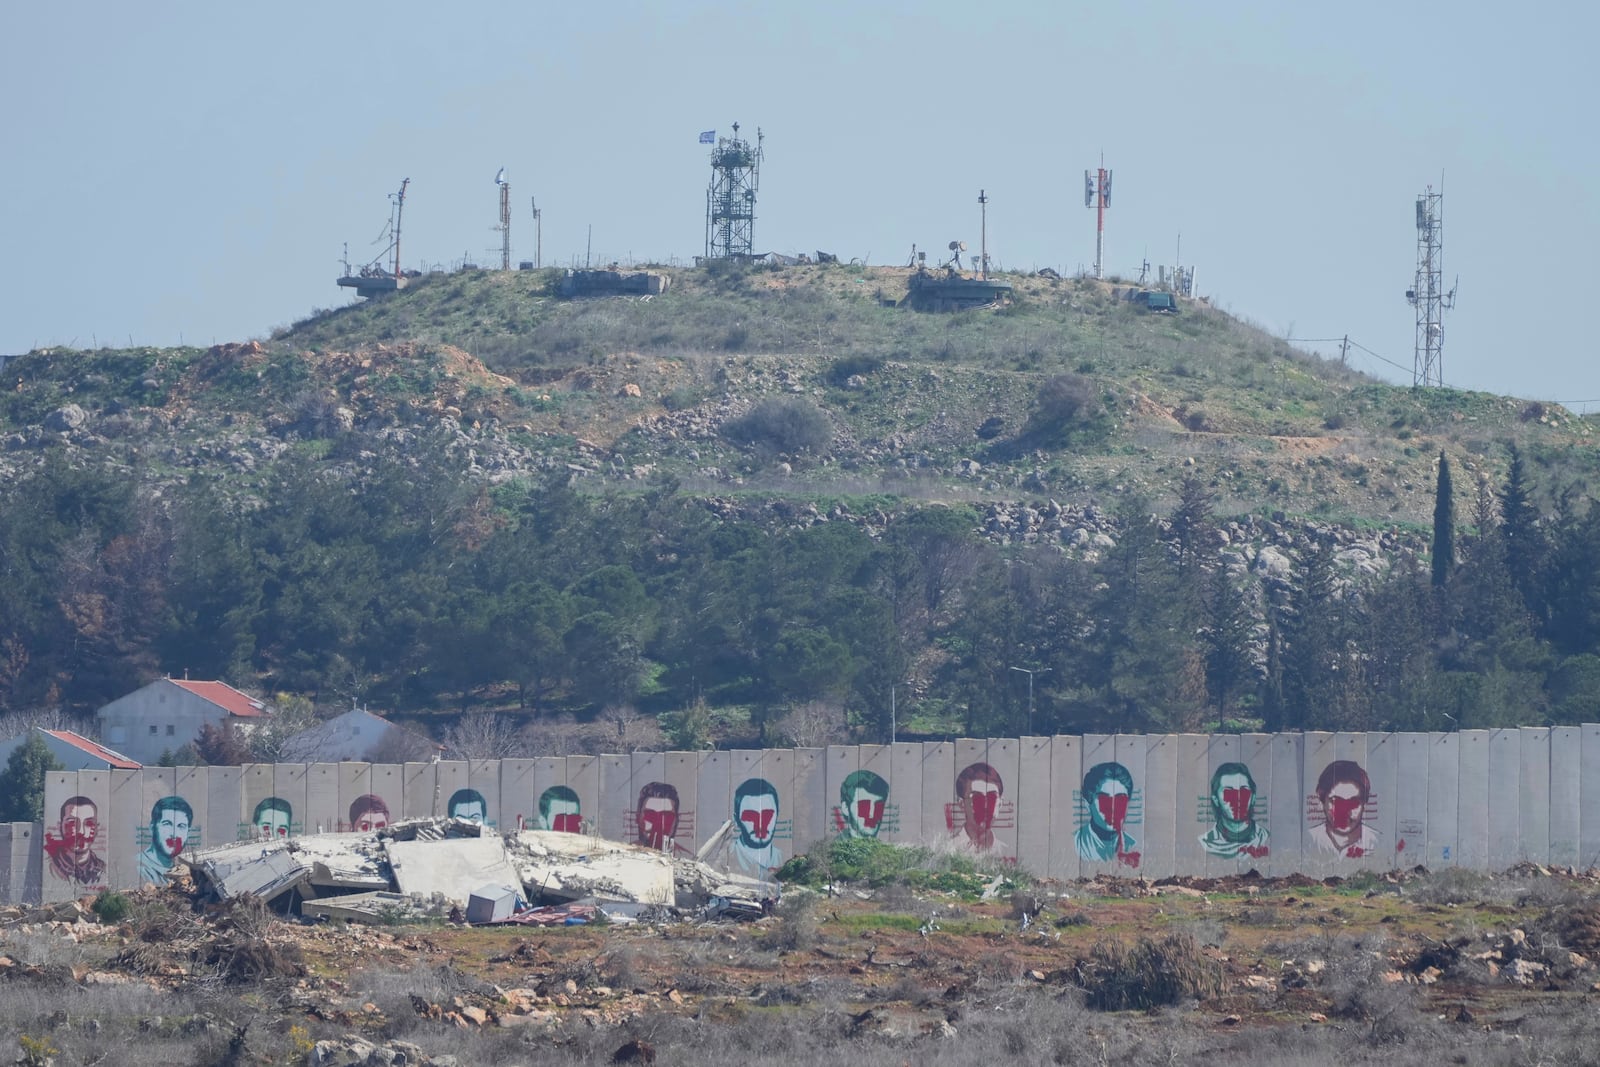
[{"x": 435, "y": 867}]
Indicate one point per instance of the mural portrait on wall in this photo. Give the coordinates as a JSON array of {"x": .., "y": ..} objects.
[
  {"x": 755, "y": 814},
  {"x": 1234, "y": 831},
  {"x": 368, "y": 812},
  {"x": 71, "y": 848},
  {"x": 656, "y": 816},
  {"x": 272, "y": 818},
  {"x": 559, "y": 810},
  {"x": 1106, "y": 809},
  {"x": 171, "y": 820},
  {"x": 863, "y": 796},
  {"x": 1340, "y": 803},
  {"x": 976, "y": 812},
  {"x": 468, "y": 804}
]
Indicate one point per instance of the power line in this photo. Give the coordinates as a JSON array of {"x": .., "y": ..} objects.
[{"x": 1352, "y": 344}]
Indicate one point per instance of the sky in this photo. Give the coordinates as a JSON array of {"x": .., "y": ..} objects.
[{"x": 181, "y": 172}]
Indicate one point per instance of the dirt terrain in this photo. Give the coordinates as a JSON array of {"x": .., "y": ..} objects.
[{"x": 1417, "y": 967}]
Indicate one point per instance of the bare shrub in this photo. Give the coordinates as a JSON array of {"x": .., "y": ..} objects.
[
  {"x": 1153, "y": 973},
  {"x": 813, "y": 724},
  {"x": 797, "y": 923},
  {"x": 485, "y": 735},
  {"x": 784, "y": 425}
]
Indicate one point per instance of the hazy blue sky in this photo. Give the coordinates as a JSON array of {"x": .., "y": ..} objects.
[{"x": 193, "y": 170}]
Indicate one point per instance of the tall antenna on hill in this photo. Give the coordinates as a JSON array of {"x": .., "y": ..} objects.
[
  {"x": 1427, "y": 291},
  {"x": 505, "y": 219},
  {"x": 1097, "y": 194},
  {"x": 731, "y": 196}
]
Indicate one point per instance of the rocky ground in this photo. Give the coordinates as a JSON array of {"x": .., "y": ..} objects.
[{"x": 1417, "y": 967}]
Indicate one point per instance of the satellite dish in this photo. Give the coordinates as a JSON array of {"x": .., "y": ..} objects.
[
  {"x": 958, "y": 246},
  {"x": 500, "y": 179}
]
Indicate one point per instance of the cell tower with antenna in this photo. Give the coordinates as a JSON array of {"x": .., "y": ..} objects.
[
  {"x": 1097, "y": 194},
  {"x": 373, "y": 279},
  {"x": 1427, "y": 293},
  {"x": 731, "y": 197},
  {"x": 505, "y": 219}
]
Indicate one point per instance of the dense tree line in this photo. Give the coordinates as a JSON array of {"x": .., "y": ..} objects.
[{"x": 416, "y": 589}]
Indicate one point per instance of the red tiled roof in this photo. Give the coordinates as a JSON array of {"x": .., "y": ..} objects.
[
  {"x": 224, "y": 696},
  {"x": 94, "y": 748}
]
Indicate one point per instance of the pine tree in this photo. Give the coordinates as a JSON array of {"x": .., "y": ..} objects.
[
  {"x": 1444, "y": 520},
  {"x": 22, "y": 782}
]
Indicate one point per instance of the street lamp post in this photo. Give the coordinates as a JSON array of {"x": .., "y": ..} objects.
[{"x": 1030, "y": 674}]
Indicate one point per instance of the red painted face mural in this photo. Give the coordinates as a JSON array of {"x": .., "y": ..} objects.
[
  {"x": 869, "y": 810},
  {"x": 1343, "y": 793},
  {"x": 1112, "y": 802},
  {"x": 658, "y": 821},
  {"x": 759, "y": 815},
  {"x": 1344, "y": 807},
  {"x": 1238, "y": 801},
  {"x": 568, "y": 822},
  {"x": 80, "y": 825}
]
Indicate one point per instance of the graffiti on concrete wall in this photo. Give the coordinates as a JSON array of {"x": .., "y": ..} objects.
[
  {"x": 273, "y": 818},
  {"x": 560, "y": 810},
  {"x": 1106, "y": 807},
  {"x": 1235, "y": 812},
  {"x": 659, "y": 820},
  {"x": 755, "y": 817},
  {"x": 980, "y": 809},
  {"x": 367, "y": 813},
  {"x": 864, "y": 809},
  {"x": 71, "y": 849},
  {"x": 468, "y": 804},
  {"x": 171, "y": 830},
  {"x": 1337, "y": 813}
]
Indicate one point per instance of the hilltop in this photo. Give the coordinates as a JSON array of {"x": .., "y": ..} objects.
[{"x": 1069, "y": 394}]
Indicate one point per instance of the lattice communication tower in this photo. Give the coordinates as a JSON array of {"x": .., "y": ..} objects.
[
  {"x": 1427, "y": 293},
  {"x": 731, "y": 197}
]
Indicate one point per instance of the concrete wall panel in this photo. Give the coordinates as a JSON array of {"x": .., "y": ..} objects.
[
  {"x": 1566, "y": 752},
  {"x": 905, "y": 760},
  {"x": 449, "y": 776},
  {"x": 879, "y": 760},
  {"x": 514, "y": 809},
  {"x": 841, "y": 761},
  {"x": 583, "y": 778},
  {"x": 1032, "y": 790},
  {"x": 289, "y": 782},
  {"x": 1504, "y": 789},
  {"x": 937, "y": 789},
  {"x": 1383, "y": 769},
  {"x": 80, "y": 877},
  {"x": 1286, "y": 804},
  {"x": 322, "y": 813},
  {"x": 418, "y": 786},
  {"x": 618, "y": 811},
  {"x": 715, "y": 785},
  {"x": 1220, "y": 859},
  {"x": 258, "y": 782},
  {"x": 483, "y": 778},
  {"x": 1589, "y": 798},
  {"x": 1066, "y": 776},
  {"x": 1472, "y": 804},
  {"x": 1164, "y": 816},
  {"x": 1192, "y": 781},
  {"x": 1411, "y": 798},
  {"x": 1444, "y": 770},
  {"x": 810, "y": 809},
  {"x": 1534, "y": 795},
  {"x": 777, "y": 768},
  {"x": 681, "y": 770}
]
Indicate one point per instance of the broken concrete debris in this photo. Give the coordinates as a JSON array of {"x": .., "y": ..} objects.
[{"x": 430, "y": 867}]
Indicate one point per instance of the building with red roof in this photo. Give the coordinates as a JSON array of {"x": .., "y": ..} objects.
[
  {"x": 170, "y": 712},
  {"x": 73, "y": 751}
]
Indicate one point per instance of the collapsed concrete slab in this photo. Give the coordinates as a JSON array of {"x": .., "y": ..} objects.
[
  {"x": 452, "y": 867},
  {"x": 560, "y": 866}
]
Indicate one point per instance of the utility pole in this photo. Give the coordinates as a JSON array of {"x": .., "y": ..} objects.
[
  {"x": 1030, "y": 674},
  {"x": 983, "y": 236},
  {"x": 894, "y": 726},
  {"x": 1097, "y": 194},
  {"x": 537, "y": 235},
  {"x": 1344, "y": 351}
]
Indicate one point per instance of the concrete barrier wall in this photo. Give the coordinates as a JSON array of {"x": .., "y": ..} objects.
[{"x": 1063, "y": 807}]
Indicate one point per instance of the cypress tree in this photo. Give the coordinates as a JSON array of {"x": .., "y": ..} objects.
[{"x": 1444, "y": 521}]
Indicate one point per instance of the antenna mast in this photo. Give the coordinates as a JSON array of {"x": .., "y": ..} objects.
[
  {"x": 399, "y": 211},
  {"x": 1097, "y": 194},
  {"x": 538, "y": 227},
  {"x": 1427, "y": 291},
  {"x": 505, "y": 219},
  {"x": 731, "y": 197},
  {"x": 983, "y": 235}
]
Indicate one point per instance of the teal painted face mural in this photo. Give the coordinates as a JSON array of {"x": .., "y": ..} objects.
[
  {"x": 468, "y": 804},
  {"x": 171, "y": 820},
  {"x": 862, "y": 799},
  {"x": 559, "y": 810},
  {"x": 272, "y": 818},
  {"x": 755, "y": 813},
  {"x": 1107, "y": 807},
  {"x": 1234, "y": 831}
]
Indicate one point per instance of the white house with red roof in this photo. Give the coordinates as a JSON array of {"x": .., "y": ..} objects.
[
  {"x": 73, "y": 751},
  {"x": 169, "y": 713}
]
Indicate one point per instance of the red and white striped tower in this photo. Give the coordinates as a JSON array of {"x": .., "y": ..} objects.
[{"x": 1097, "y": 194}]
